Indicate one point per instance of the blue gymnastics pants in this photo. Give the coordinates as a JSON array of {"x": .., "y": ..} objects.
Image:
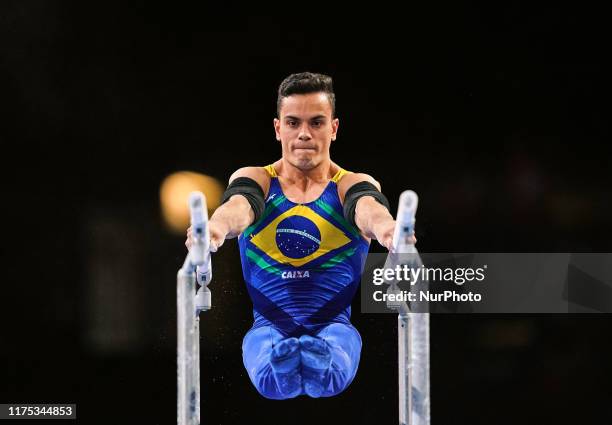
[{"x": 344, "y": 343}]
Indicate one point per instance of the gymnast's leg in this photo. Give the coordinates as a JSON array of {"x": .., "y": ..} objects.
[
  {"x": 330, "y": 360},
  {"x": 272, "y": 362}
]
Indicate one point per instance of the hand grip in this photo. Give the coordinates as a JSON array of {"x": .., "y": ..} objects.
[
  {"x": 406, "y": 212},
  {"x": 199, "y": 225}
]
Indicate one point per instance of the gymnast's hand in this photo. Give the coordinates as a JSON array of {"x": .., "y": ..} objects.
[
  {"x": 217, "y": 236},
  {"x": 218, "y": 233},
  {"x": 383, "y": 233}
]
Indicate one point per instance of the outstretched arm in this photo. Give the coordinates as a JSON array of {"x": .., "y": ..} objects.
[
  {"x": 371, "y": 217},
  {"x": 236, "y": 214}
]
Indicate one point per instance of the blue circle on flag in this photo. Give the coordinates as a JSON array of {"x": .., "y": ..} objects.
[{"x": 297, "y": 237}]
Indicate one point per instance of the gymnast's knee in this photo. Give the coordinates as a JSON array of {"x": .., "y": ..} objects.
[
  {"x": 268, "y": 389},
  {"x": 345, "y": 345},
  {"x": 256, "y": 349}
]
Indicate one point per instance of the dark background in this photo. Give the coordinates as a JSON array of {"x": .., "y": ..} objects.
[{"x": 497, "y": 117}]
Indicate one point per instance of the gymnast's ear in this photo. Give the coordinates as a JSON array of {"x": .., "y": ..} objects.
[
  {"x": 335, "y": 124},
  {"x": 277, "y": 124}
]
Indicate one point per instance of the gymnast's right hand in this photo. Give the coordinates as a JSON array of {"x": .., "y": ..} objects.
[{"x": 217, "y": 236}]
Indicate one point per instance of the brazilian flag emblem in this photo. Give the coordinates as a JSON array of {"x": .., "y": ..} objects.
[{"x": 299, "y": 236}]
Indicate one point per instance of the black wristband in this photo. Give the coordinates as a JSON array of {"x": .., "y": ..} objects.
[
  {"x": 357, "y": 191},
  {"x": 251, "y": 190}
]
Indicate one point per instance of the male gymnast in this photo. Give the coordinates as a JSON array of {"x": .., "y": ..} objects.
[{"x": 304, "y": 227}]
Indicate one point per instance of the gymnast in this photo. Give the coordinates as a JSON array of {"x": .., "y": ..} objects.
[{"x": 304, "y": 226}]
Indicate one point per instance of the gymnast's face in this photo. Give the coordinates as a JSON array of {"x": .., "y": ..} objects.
[{"x": 306, "y": 129}]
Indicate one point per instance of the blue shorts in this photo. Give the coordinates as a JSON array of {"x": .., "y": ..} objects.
[{"x": 345, "y": 346}]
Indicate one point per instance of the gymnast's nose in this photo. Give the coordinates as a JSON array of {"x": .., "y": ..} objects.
[{"x": 304, "y": 133}]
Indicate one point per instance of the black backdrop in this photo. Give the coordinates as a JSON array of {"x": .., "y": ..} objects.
[{"x": 495, "y": 116}]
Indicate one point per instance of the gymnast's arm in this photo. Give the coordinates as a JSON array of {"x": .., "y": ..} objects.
[
  {"x": 236, "y": 214},
  {"x": 371, "y": 217}
]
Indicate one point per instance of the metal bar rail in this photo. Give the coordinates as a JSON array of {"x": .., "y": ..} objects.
[
  {"x": 189, "y": 303},
  {"x": 412, "y": 323}
]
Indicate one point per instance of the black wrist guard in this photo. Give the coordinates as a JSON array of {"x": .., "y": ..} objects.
[
  {"x": 251, "y": 190},
  {"x": 357, "y": 191}
]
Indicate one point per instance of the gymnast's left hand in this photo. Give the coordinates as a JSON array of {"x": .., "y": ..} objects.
[{"x": 383, "y": 232}]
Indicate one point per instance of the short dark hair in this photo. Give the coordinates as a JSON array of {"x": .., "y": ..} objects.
[{"x": 305, "y": 83}]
